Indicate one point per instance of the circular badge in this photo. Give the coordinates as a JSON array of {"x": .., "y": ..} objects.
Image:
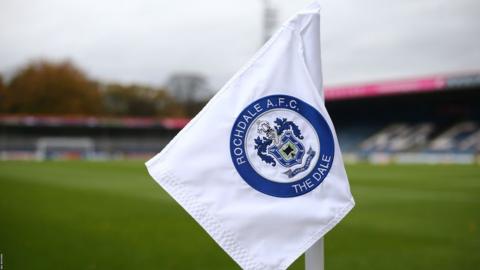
[{"x": 282, "y": 146}]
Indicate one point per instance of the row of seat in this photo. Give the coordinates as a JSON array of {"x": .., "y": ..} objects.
[{"x": 462, "y": 137}]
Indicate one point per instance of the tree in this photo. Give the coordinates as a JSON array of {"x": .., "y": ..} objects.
[
  {"x": 138, "y": 100},
  {"x": 44, "y": 87},
  {"x": 167, "y": 106},
  {"x": 190, "y": 90},
  {"x": 2, "y": 95}
]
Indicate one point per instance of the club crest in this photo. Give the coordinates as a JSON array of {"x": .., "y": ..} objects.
[
  {"x": 282, "y": 146},
  {"x": 283, "y": 143}
]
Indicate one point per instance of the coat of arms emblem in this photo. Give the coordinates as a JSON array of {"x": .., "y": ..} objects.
[{"x": 282, "y": 144}]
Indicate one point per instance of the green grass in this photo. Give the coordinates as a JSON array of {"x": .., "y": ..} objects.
[{"x": 112, "y": 215}]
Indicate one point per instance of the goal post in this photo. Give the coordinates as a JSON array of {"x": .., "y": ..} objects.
[{"x": 52, "y": 147}]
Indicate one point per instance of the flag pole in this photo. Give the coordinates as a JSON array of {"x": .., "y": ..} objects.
[{"x": 314, "y": 257}]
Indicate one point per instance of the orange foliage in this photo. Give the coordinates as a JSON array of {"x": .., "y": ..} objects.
[{"x": 52, "y": 88}]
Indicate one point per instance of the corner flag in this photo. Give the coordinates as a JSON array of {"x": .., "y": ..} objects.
[{"x": 259, "y": 168}]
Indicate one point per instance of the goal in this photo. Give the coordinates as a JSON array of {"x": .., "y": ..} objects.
[{"x": 64, "y": 148}]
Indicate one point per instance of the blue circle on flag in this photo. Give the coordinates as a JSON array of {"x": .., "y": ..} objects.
[{"x": 282, "y": 146}]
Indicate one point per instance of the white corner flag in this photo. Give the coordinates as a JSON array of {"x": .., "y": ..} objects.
[{"x": 259, "y": 168}]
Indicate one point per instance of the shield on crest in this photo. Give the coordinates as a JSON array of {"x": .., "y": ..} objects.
[{"x": 289, "y": 151}]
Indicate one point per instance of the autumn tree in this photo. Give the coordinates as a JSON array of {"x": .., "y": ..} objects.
[
  {"x": 44, "y": 87},
  {"x": 138, "y": 100},
  {"x": 2, "y": 95},
  {"x": 167, "y": 106}
]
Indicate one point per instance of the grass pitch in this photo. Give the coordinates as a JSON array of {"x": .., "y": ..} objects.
[{"x": 112, "y": 215}]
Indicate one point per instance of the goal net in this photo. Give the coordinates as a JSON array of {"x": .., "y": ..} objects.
[{"x": 64, "y": 148}]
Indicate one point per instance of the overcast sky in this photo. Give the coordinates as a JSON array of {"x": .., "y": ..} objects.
[{"x": 145, "y": 41}]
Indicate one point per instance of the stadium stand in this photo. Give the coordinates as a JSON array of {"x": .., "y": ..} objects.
[
  {"x": 462, "y": 137},
  {"x": 27, "y": 137},
  {"x": 429, "y": 120}
]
